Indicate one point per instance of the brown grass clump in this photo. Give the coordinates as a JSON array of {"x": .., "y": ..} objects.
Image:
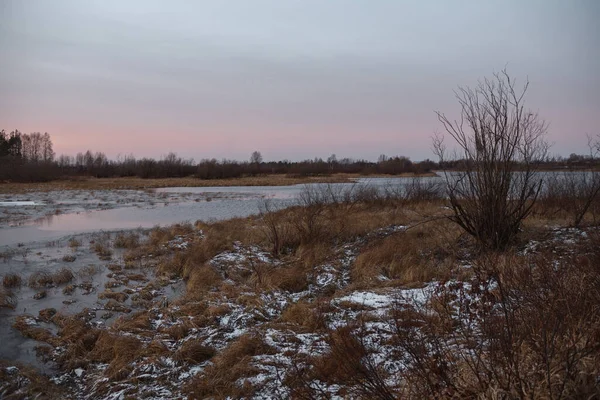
[
  {"x": 7, "y": 298},
  {"x": 40, "y": 279},
  {"x": 19, "y": 381},
  {"x": 28, "y": 327},
  {"x": 47, "y": 314},
  {"x": 113, "y": 305},
  {"x": 12, "y": 280},
  {"x": 68, "y": 290},
  {"x": 160, "y": 236},
  {"x": 230, "y": 365},
  {"x": 88, "y": 271},
  {"x": 102, "y": 251},
  {"x": 62, "y": 276},
  {"x": 307, "y": 315},
  {"x": 349, "y": 364},
  {"x": 138, "y": 322},
  {"x": 109, "y": 294},
  {"x": 118, "y": 351},
  {"x": 137, "y": 253},
  {"x": 193, "y": 352},
  {"x": 179, "y": 331},
  {"x": 201, "y": 280},
  {"x": 114, "y": 267},
  {"x": 44, "y": 278},
  {"x": 410, "y": 258},
  {"x": 136, "y": 277},
  {"x": 127, "y": 240},
  {"x": 79, "y": 339},
  {"x": 69, "y": 258}
]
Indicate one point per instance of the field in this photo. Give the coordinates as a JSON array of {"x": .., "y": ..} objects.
[
  {"x": 366, "y": 298},
  {"x": 85, "y": 183}
]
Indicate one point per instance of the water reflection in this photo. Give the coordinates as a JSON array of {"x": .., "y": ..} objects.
[{"x": 213, "y": 203}]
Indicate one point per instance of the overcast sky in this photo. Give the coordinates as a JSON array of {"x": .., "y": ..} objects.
[{"x": 294, "y": 79}]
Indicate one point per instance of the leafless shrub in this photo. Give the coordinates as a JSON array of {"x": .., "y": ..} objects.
[
  {"x": 276, "y": 228},
  {"x": 500, "y": 144},
  {"x": 420, "y": 189},
  {"x": 574, "y": 193},
  {"x": 349, "y": 362},
  {"x": 522, "y": 328}
]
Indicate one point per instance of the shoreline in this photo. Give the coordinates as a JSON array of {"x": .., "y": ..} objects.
[{"x": 128, "y": 183}]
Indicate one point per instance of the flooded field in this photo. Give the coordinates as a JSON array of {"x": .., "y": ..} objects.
[
  {"x": 64, "y": 249},
  {"x": 39, "y": 216}
]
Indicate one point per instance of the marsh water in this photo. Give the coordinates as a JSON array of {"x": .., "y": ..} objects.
[
  {"x": 36, "y": 230},
  {"x": 162, "y": 207}
]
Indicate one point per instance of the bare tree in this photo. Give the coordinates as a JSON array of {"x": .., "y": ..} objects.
[
  {"x": 256, "y": 158},
  {"x": 47, "y": 152},
  {"x": 500, "y": 144}
]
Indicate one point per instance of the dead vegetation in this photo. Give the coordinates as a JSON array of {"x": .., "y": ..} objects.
[
  {"x": 8, "y": 298},
  {"x": 129, "y": 240},
  {"x": 24, "y": 382},
  {"x": 231, "y": 364},
  {"x": 12, "y": 280},
  {"x": 334, "y": 288},
  {"x": 45, "y": 279}
]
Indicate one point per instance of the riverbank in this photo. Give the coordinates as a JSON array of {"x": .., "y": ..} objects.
[
  {"x": 129, "y": 183},
  {"x": 312, "y": 302}
]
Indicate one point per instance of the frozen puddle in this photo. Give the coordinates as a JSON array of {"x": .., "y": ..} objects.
[{"x": 18, "y": 203}]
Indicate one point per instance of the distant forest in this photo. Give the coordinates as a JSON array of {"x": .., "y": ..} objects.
[{"x": 31, "y": 158}]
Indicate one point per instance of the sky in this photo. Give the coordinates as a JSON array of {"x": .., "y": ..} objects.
[{"x": 294, "y": 79}]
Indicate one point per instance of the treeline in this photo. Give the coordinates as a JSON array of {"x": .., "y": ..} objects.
[{"x": 30, "y": 158}]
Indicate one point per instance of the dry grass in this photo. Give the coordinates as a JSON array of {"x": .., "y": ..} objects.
[
  {"x": 409, "y": 258},
  {"x": 139, "y": 183},
  {"x": 138, "y": 322},
  {"x": 12, "y": 280},
  {"x": 69, "y": 258},
  {"x": 117, "y": 296},
  {"x": 28, "y": 328},
  {"x": 309, "y": 316},
  {"x": 129, "y": 240},
  {"x": 68, "y": 290},
  {"x": 201, "y": 280},
  {"x": 88, "y": 271},
  {"x": 44, "y": 278},
  {"x": 8, "y": 299},
  {"x": 47, "y": 314},
  {"x": 62, "y": 276},
  {"x": 102, "y": 250},
  {"x": 40, "y": 279},
  {"x": 118, "y": 351},
  {"x": 193, "y": 352},
  {"x": 26, "y": 383},
  {"x": 230, "y": 365},
  {"x": 114, "y": 305}
]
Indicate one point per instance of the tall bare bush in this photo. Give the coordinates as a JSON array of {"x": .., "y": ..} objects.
[{"x": 500, "y": 143}]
